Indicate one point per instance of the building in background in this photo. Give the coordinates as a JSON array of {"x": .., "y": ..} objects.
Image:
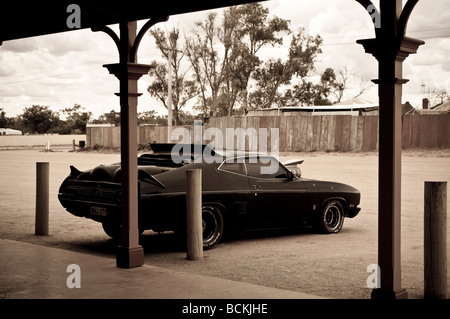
[{"x": 9, "y": 131}]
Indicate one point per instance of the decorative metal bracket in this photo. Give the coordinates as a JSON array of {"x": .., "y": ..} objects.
[
  {"x": 137, "y": 41},
  {"x": 396, "y": 45},
  {"x": 403, "y": 20},
  {"x": 109, "y": 32},
  {"x": 404, "y": 17},
  {"x": 367, "y": 4}
]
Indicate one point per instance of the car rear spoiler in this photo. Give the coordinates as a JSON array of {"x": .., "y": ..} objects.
[
  {"x": 146, "y": 177},
  {"x": 292, "y": 165},
  {"x": 74, "y": 172},
  {"x": 294, "y": 162}
]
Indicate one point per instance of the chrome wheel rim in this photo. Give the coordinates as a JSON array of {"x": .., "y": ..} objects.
[{"x": 332, "y": 217}]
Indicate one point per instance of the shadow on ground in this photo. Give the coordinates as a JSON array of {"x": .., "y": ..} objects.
[{"x": 169, "y": 242}]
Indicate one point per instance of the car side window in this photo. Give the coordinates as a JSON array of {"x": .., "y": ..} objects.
[
  {"x": 233, "y": 167},
  {"x": 265, "y": 168}
]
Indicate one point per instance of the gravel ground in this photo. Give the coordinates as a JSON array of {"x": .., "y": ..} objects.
[{"x": 326, "y": 265}]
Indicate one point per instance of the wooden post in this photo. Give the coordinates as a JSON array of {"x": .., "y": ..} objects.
[
  {"x": 129, "y": 253},
  {"x": 390, "y": 47},
  {"x": 194, "y": 214},
  {"x": 435, "y": 240},
  {"x": 42, "y": 198}
]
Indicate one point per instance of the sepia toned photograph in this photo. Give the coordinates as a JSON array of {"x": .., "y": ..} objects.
[{"x": 226, "y": 158}]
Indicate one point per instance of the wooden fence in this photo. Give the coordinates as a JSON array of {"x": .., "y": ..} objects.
[{"x": 290, "y": 133}]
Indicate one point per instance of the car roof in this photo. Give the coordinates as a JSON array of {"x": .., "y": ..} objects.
[{"x": 193, "y": 151}]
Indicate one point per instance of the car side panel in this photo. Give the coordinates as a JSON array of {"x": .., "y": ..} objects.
[
  {"x": 278, "y": 202},
  {"x": 166, "y": 208}
]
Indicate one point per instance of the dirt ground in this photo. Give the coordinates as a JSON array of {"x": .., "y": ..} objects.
[{"x": 326, "y": 265}]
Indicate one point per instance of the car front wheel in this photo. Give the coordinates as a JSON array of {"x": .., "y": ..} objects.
[
  {"x": 212, "y": 226},
  {"x": 331, "y": 218}
]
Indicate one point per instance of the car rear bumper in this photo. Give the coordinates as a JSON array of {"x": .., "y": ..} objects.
[
  {"x": 353, "y": 212},
  {"x": 97, "y": 211}
]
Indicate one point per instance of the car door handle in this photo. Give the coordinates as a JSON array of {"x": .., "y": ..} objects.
[{"x": 257, "y": 187}]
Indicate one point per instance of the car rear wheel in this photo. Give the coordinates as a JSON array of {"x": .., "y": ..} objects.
[
  {"x": 212, "y": 226},
  {"x": 112, "y": 229},
  {"x": 331, "y": 218}
]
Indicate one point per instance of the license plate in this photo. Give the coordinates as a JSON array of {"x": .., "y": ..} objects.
[{"x": 99, "y": 211}]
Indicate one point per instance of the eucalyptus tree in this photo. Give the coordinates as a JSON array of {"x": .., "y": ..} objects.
[{"x": 173, "y": 52}]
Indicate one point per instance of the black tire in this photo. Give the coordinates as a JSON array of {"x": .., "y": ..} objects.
[
  {"x": 331, "y": 218},
  {"x": 112, "y": 230},
  {"x": 212, "y": 226}
]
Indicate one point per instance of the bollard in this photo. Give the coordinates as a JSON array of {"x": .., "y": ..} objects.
[
  {"x": 435, "y": 240},
  {"x": 42, "y": 198},
  {"x": 194, "y": 214}
]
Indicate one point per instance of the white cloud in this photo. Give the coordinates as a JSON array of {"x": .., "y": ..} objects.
[{"x": 63, "y": 69}]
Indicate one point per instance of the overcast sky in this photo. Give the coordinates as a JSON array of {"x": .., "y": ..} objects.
[{"x": 64, "y": 69}]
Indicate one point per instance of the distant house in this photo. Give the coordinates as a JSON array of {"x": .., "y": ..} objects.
[
  {"x": 354, "y": 107},
  {"x": 100, "y": 125},
  {"x": 443, "y": 108},
  {"x": 9, "y": 131}
]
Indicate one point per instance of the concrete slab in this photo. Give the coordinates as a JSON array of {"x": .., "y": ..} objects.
[{"x": 31, "y": 271}]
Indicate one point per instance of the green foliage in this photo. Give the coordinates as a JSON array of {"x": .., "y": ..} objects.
[
  {"x": 149, "y": 117},
  {"x": 223, "y": 57},
  {"x": 183, "y": 89},
  {"x": 112, "y": 117},
  {"x": 4, "y": 121},
  {"x": 76, "y": 120},
  {"x": 39, "y": 119}
]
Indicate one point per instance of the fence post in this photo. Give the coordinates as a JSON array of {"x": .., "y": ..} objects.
[
  {"x": 435, "y": 240},
  {"x": 42, "y": 198},
  {"x": 194, "y": 214}
]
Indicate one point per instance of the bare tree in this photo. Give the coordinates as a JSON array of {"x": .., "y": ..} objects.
[
  {"x": 243, "y": 31},
  {"x": 207, "y": 63},
  {"x": 343, "y": 76},
  {"x": 439, "y": 96},
  {"x": 183, "y": 89},
  {"x": 364, "y": 85}
]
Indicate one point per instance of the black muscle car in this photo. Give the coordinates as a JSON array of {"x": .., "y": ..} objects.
[{"x": 240, "y": 191}]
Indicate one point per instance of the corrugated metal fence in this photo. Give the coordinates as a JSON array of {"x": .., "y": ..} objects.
[{"x": 290, "y": 133}]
